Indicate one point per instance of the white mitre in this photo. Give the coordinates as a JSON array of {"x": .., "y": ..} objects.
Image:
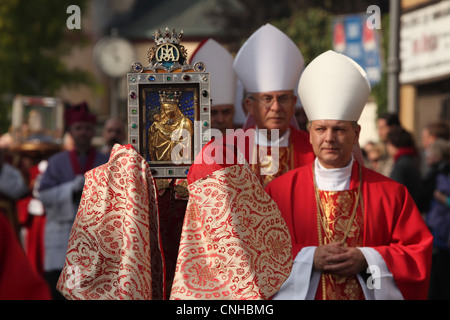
[
  {"x": 219, "y": 63},
  {"x": 333, "y": 87},
  {"x": 268, "y": 61}
]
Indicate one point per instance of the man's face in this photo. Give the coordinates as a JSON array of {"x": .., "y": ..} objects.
[
  {"x": 332, "y": 141},
  {"x": 272, "y": 110},
  {"x": 383, "y": 129},
  {"x": 222, "y": 117},
  {"x": 113, "y": 132},
  {"x": 427, "y": 139},
  {"x": 82, "y": 134}
]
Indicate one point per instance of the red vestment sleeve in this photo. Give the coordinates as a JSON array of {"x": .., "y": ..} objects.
[
  {"x": 395, "y": 228},
  {"x": 294, "y": 194},
  {"x": 18, "y": 280},
  {"x": 214, "y": 156}
]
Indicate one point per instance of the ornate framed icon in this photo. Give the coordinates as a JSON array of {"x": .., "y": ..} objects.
[{"x": 168, "y": 108}]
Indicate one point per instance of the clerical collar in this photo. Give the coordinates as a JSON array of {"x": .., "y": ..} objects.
[
  {"x": 261, "y": 139},
  {"x": 333, "y": 179}
]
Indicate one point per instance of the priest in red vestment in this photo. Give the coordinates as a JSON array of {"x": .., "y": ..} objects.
[
  {"x": 355, "y": 233},
  {"x": 277, "y": 144}
]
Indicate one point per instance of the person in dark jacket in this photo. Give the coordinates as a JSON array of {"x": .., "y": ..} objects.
[
  {"x": 401, "y": 146},
  {"x": 438, "y": 162}
]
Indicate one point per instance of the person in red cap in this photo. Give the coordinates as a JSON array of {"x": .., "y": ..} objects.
[{"x": 61, "y": 186}]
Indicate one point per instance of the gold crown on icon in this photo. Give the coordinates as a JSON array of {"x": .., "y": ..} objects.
[
  {"x": 169, "y": 96},
  {"x": 167, "y": 36}
]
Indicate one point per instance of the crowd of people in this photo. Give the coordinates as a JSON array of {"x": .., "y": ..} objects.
[
  {"x": 43, "y": 194},
  {"x": 343, "y": 208},
  {"x": 422, "y": 165}
]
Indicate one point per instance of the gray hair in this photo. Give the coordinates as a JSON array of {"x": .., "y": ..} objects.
[{"x": 354, "y": 124}]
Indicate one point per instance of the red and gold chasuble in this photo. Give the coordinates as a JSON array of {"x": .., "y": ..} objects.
[
  {"x": 298, "y": 153},
  {"x": 266, "y": 160},
  {"x": 340, "y": 219},
  {"x": 114, "y": 250},
  {"x": 234, "y": 242}
]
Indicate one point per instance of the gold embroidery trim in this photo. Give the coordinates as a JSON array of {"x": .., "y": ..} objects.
[
  {"x": 282, "y": 168},
  {"x": 322, "y": 223}
]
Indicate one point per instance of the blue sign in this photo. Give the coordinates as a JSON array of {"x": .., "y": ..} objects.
[{"x": 354, "y": 38}]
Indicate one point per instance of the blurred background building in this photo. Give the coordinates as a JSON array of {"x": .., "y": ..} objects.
[
  {"x": 425, "y": 63},
  {"x": 315, "y": 25}
]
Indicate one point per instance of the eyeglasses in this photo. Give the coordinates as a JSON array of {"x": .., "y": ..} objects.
[{"x": 266, "y": 101}]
